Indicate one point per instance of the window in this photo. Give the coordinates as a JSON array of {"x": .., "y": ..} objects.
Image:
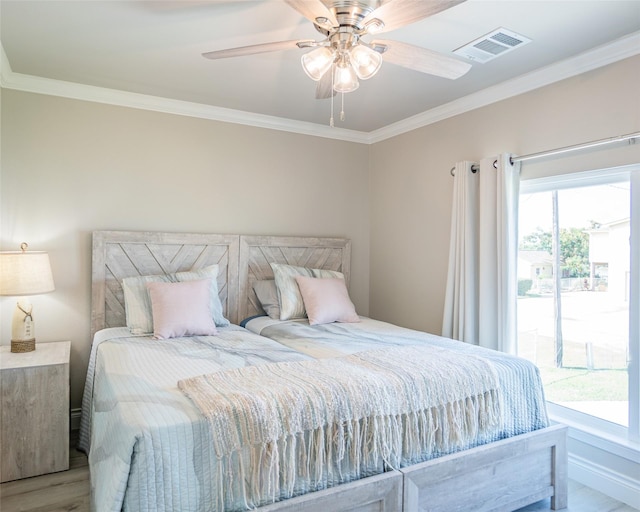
[{"x": 577, "y": 298}]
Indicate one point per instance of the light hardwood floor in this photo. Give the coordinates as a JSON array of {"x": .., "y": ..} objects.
[
  {"x": 583, "y": 499},
  {"x": 57, "y": 492},
  {"x": 69, "y": 491}
]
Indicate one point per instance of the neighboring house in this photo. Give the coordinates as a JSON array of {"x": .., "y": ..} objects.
[
  {"x": 609, "y": 257},
  {"x": 535, "y": 265}
]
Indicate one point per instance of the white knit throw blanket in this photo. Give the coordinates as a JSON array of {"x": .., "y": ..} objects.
[{"x": 295, "y": 427}]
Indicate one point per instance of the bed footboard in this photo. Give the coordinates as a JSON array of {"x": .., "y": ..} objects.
[
  {"x": 501, "y": 476},
  {"x": 379, "y": 493}
]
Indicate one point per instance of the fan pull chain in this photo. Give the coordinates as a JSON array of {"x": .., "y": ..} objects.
[
  {"x": 331, "y": 118},
  {"x": 332, "y": 95},
  {"x": 342, "y": 111}
]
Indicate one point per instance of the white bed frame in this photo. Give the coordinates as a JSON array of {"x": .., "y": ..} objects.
[{"x": 501, "y": 476}]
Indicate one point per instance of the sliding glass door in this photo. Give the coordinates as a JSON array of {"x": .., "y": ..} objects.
[{"x": 577, "y": 301}]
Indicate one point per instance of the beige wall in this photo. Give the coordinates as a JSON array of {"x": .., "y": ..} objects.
[
  {"x": 411, "y": 187},
  {"x": 70, "y": 167}
]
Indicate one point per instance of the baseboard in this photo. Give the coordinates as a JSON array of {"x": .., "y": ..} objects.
[
  {"x": 75, "y": 419},
  {"x": 604, "y": 480}
]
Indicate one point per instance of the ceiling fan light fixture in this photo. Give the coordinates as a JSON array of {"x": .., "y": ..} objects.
[
  {"x": 344, "y": 75},
  {"x": 366, "y": 62},
  {"x": 317, "y": 62}
]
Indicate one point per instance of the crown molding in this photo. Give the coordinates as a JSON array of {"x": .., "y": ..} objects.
[
  {"x": 48, "y": 86},
  {"x": 607, "y": 54},
  {"x": 5, "y": 66},
  {"x": 598, "y": 57}
]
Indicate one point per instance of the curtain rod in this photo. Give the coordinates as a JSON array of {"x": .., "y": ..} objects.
[
  {"x": 474, "y": 169},
  {"x": 567, "y": 149},
  {"x": 586, "y": 145}
]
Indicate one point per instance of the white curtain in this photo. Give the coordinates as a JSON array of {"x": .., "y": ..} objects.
[{"x": 480, "y": 302}]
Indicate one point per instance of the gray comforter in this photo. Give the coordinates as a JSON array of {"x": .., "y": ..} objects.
[
  {"x": 149, "y": 446},
  {"x": 524, "y": 408}
]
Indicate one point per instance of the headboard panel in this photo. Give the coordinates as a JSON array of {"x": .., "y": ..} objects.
[
  {"x": 257, "y": 252},
  {"x": 242, "y": 260},
  {"x": 120, "y": 254}
]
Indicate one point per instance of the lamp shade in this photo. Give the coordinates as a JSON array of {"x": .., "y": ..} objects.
[
  {"x": 366, "y": 62},
  {"x": 25, "y": 273},
  {"x": 317, "y": 62},
  {"x": 344, "y": 77}
]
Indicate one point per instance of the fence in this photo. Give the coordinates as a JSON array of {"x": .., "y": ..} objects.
[{"x": 570, "y": 284}]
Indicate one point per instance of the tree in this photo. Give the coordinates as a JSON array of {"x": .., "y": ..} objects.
[
  {"x": 539, "y": 240},
  {"x": 574, "y": 248}
]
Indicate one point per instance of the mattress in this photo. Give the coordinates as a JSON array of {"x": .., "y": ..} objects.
[
  {"x": 149, "y": 446},
  {"x": 523, "y": 402}
]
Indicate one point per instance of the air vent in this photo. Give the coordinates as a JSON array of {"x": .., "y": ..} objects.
[{"x": 492, "y": 45}]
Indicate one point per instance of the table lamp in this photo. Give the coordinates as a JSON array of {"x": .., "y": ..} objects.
[{"x": 24, "y": 273}]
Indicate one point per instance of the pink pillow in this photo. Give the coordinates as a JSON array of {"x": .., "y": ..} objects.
[
  {"x": 181, "y": 309},
  {"x": 326, "y": 300}
]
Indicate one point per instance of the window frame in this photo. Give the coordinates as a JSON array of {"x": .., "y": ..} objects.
[{"x": 627, "y": 438}]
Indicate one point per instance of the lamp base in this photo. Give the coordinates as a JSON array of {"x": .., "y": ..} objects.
[
  {"x": 23, "y": 328},
  {"x": 23, "y": 345}
]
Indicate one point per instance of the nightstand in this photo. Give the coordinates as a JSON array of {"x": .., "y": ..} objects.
[{"x": 34, "y": 421}]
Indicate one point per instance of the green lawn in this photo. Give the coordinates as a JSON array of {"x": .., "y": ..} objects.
[
  {"x": 607, "y": 380},
  {"x": 580, "y": 384}
]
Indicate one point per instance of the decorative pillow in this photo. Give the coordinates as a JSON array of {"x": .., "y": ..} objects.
[
  {"x": 291, "y": 303},
  {"x": 267, "y": 294},
  {"x": 138, "y": 304},
  {"x": 326, "y": 300},
  {"x": 181, "y": 309}
]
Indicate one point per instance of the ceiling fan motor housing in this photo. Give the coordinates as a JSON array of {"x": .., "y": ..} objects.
[{"x": 348, "y": 13}]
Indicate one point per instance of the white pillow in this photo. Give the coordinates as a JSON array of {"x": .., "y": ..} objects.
[
  {"x": 291, "y": 303},
  {"x": 326, "y": 300},
  {"x": 138, "y": 304},
  {"x": 181, "y": 309},
  {"x": 267, "y": 295}
]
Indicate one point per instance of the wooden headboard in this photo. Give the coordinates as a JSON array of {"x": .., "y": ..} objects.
[
  {"x": 242, "y": 260},
  {"x": 257, "y": 252}
]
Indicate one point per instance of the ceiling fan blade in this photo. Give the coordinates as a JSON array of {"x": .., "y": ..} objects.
[
  {"x": 423, "y": 60},
  {"x": 314, "y": 9},
  {"x": 398, "y": 13},
  {"x": 252, "y": 50},
  {"x": 324, "y": 89}
]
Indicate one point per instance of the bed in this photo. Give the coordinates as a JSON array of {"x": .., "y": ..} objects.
[{"x": 149, "y": 446}]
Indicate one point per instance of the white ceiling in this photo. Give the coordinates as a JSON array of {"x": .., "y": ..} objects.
[{"x": 154, "y": 48}]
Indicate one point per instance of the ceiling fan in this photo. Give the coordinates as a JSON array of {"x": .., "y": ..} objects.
[{"x": 343, "y": 56}]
